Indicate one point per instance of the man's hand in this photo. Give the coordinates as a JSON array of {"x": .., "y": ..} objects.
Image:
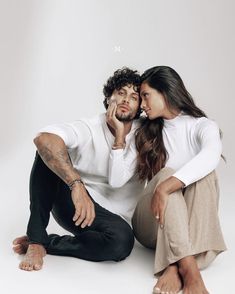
[
  {"x": 111, "y": 119},
  {"x": 84, "y": 207}
]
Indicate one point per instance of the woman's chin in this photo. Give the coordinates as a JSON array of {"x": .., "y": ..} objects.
[{"x": 150, "y": 117}]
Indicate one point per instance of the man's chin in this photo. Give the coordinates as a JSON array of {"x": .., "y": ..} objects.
[{"x": 124, "y": 117}]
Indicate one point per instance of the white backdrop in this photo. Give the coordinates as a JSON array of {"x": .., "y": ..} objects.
[{"x": 55, "y": 56}]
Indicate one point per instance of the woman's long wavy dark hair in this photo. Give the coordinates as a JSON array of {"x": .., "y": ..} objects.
[{"x": 152, "y": 154}]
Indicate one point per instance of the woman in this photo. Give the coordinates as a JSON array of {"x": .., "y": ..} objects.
[{"x": 179, "y": 149}]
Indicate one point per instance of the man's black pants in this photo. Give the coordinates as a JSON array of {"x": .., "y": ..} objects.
[{"x": 108, "y": 238}]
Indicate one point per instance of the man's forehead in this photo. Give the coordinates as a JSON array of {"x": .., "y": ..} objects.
[{"x": 130, "y": 87}]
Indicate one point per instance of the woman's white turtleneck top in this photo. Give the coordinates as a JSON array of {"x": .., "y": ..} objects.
[{"x": 193, "y": 145}]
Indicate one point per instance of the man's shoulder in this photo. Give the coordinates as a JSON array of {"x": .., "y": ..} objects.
[{"x": 94, "y": 121}]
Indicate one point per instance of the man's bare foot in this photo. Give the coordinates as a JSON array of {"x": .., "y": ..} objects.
[
  {"x": 33, "y": 258},
  {"x": 20, "y": 245},
  {"x": 192, "y": 279},
  {"x": 169, "y": 282}
]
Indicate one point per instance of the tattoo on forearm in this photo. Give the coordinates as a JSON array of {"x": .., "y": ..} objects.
[{"x": 58, "y": 161}]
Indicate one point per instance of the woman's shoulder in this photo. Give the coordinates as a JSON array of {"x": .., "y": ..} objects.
[
  {"x": 200, "y": 122},
  {"x": 205, "y": 122},
  {"x": 205, "y": 127}
]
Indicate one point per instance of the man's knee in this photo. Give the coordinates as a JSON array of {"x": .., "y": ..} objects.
[{"x": 123, "y": 242}]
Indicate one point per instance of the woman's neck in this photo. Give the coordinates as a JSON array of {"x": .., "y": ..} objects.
[{"x": 170, "y": 114}]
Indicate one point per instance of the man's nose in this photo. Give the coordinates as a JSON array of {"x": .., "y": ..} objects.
[{"x": 126, "y": 98}]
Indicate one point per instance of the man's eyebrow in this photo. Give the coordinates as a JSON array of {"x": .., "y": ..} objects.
[
  {"x": 122, "y": 89},
  {"x": 135, "y": 93}
]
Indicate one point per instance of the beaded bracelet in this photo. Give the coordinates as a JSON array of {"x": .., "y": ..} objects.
[{"x": 70, "y": 185}]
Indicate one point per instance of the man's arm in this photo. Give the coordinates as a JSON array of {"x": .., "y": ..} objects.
[{"x": 53, "y": 152}]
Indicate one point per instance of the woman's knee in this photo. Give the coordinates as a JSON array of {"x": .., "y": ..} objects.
[{"x": 161, "y": 176}]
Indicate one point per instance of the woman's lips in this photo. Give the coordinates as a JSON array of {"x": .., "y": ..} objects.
[{"x": 147, "y": 111}]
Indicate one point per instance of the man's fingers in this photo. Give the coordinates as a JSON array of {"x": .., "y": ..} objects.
[
  {"x": 78, "y": 210},
  {"x": 109, "y": 110},
  {"x": 87, "y": 217},
  {"x": 113, "y": 114},
  {"x": 112, "y": 104},
  {"x": 92, "y": 214},
  {"x": 81, "y": 217}
]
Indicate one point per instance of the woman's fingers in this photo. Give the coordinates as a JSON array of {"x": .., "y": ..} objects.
[
  {"x": 159, "y": 211},
  {"x": 161, "y": 215}
]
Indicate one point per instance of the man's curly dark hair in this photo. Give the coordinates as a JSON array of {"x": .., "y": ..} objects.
[{"x": 121, "y": 78}]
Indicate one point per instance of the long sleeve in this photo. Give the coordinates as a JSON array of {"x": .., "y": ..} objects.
[
  {"x": 122, "y": 164},
  {"x": 207, "y": 159}
]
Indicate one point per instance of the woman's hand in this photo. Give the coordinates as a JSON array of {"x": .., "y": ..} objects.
[
  {"x": 161, "y": 196},
  {"x": 159, "y": 203}
]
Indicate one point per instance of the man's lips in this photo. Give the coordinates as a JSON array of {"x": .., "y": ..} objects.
[{"x": 124, "y": 107}]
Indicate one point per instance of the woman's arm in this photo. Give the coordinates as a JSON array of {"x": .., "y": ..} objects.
[{"x": 207, "y": 135}]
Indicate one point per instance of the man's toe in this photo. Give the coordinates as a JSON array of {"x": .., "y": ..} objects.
[
  {"x": 156, "y": 290},
  {"x": 37, "y": 267}
]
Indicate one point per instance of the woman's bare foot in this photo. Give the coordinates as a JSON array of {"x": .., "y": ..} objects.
[
  {"x": 169, "y": 282},
  {"x": 192, "y": 279},
  {"x": 20, "y": 245},
  {"x": 33, "y": 259}
]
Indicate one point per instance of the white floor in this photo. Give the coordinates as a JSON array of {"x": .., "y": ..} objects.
[
  {"x": 60, "y": 274},
  {"x": 133, "y": 276}
]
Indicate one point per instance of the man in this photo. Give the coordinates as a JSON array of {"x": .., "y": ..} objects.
[{"x": 84, "y": 173}]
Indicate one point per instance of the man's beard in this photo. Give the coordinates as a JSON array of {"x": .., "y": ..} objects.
[{"x": 124, "y": 117}]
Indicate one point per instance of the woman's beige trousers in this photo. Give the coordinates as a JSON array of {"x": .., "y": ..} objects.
[{"x": 191, "y": 223}]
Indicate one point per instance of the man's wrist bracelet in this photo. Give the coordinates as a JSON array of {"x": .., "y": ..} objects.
[{"x": 70, "y": 185}]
